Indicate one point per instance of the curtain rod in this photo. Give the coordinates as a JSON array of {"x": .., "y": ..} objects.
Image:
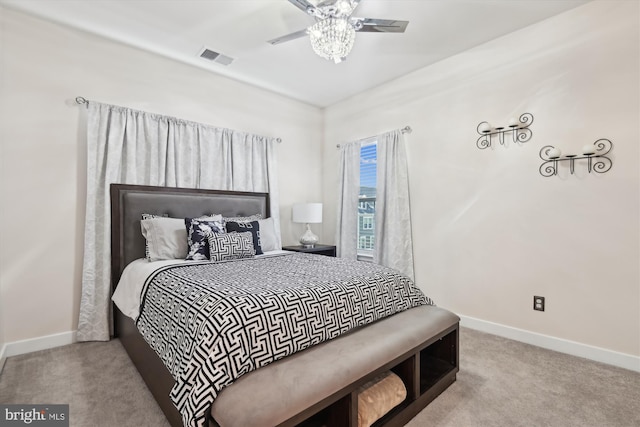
[
  {"x": 81, "y": 100},
  {"x": 406, "y": 129}
]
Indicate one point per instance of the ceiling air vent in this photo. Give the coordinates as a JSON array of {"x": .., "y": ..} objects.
[{"x": 215, "y": 56}]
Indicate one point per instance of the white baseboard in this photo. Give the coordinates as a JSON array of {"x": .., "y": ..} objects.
[
  {"x": 573, "y": 348},
  {"x": 40, "y": 343}
]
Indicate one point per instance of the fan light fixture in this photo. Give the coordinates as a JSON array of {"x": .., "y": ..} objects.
[
  {"x": 332, "y": 38},
  {"x": 333, "y": 34}
]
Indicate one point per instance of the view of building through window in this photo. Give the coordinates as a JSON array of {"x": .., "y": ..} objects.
[{"x": 367, "y": 199}]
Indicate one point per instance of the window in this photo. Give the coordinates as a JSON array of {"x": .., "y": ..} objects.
[
  {"x": 366, "y": 242},
  {"x": 367, "y": 199},
  {"x": 367, "y": 222}
]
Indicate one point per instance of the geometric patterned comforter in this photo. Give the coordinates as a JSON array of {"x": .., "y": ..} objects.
[{"x": 210, "y": 323}]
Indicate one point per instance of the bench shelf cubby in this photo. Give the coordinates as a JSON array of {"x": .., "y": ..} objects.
[{"x": 426, "y": 372}]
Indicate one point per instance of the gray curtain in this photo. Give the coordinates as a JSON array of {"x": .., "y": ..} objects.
[
  {"x": 347, "y": 225},
  {"x": 393, "y": 245},
  {"x": 133, "y": 147}
]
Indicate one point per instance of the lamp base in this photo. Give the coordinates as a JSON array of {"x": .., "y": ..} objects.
[{"x": 308, "y": 239}]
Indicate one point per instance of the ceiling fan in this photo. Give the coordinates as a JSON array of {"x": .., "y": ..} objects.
[{"x": 333, "y": 34}]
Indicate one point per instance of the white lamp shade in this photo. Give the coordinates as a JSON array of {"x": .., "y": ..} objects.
[{"x": 308, "y": 213}]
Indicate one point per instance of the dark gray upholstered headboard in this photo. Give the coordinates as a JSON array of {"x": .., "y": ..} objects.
[{"x": 129, "y": 202}]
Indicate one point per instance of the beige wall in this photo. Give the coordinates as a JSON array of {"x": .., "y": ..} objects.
[
  {"x": 42, "y": 157},
  {"x": 489, "y": 231}
]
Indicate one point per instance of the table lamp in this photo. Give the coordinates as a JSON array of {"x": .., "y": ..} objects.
[{"x": 307, "y": 213}]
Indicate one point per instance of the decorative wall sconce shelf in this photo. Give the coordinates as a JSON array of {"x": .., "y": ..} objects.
[
  {"x": 519, "y": 130},
  {"x": 593, "y": 153}
]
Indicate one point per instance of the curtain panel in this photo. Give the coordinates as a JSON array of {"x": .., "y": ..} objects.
[
  {"x": 393, "y": 244},
  {"x": 347, "y": 223},
  {"x": 133, "y": 147}
]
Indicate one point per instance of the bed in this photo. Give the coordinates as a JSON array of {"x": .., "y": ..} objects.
[{"x": 319, "y": 383}]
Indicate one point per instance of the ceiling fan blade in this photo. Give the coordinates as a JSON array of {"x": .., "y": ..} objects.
[
  {"x": 303, "y": 5},
  {"x": 288, "y": 37},
  {"x": 371, "y": 25}
]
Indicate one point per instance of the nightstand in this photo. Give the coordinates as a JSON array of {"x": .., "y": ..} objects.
[{"x": 317, "y": 249}]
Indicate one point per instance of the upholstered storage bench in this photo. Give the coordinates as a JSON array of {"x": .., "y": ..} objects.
[{"x": 319, "y": 386}]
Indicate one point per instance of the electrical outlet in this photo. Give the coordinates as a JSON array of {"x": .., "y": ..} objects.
[{"x": 538, "y": 303}]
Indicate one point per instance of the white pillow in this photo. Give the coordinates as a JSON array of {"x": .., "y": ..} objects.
[
  {"x": 268, "y": 236},
  {"x": 167, "y": 237}
]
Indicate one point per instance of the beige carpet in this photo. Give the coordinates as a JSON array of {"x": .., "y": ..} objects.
[
  {"x": 504, "y": 383},
  {"x": 501, "y": 383}
]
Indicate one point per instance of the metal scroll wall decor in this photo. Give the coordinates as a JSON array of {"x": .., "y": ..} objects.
[
  {"x": 594, "y": 154},
  {"x": 519, "y": 130}
]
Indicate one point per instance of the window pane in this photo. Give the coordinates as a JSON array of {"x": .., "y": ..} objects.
[
  {"x": 367, "y": 202},
  {"x": 368, "y": 158}
]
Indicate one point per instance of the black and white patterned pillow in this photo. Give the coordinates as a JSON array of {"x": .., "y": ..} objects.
[
  {"x": 229, "y": 246},
  {"x": 253, "y": 227},
  {"x": 197, "y": 232}
]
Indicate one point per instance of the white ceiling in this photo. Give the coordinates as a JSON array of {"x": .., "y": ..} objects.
[{"x": 179, "y": 29}]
